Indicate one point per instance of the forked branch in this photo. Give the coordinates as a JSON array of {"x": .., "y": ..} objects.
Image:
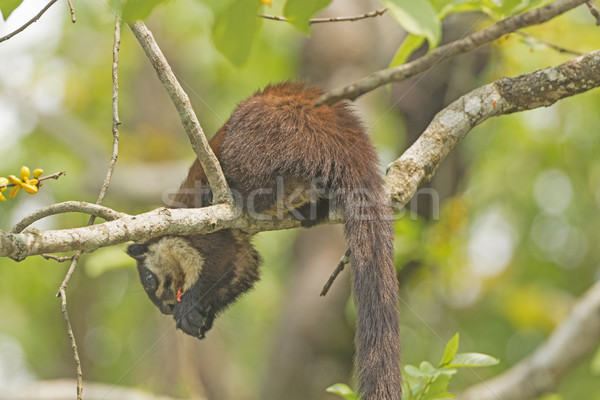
[
  {"x": 417, "y": 165},
  {"x": 448, "y": 51}
]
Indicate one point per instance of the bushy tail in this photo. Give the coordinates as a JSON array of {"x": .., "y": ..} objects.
[{"x": 375, "y": 287}]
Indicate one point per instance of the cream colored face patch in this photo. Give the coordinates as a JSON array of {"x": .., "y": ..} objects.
[{"x": 176, "y": 257}]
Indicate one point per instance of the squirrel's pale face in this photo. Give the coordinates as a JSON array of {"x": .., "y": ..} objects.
[{"x": 167, "y": 268}]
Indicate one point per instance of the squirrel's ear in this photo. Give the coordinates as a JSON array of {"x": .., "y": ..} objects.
[{"x": 137, "y": 251}]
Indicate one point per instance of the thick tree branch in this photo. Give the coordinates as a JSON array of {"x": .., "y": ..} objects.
[
  {"x": 205, "y": 155},
  {"x": 417, "y": 165},
  {"x": 154, "y": 223},
  {"x": 507, "y": 95},
  {"x": 448, "y": 51},
  {"x": 576, "y": 337}
]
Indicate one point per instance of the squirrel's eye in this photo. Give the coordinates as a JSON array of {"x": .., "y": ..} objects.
[{"x": 150, "y": 280}]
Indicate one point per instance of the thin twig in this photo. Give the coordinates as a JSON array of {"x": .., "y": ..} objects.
[
  {"x": 73, "y": 19},
  {"x": 55, "y": 175},
  {"x": 31, "y": 21},
  {"x": 340, "y": 267},
  {"x": 107, "y": 179},
  {"x": 549, "y": 44},
  {"x": 210, "y": 164},
  {"x": 370, "y": 14},
  {"x": 594, "y": 10},
  {"x": 115, "y": 109},
  {"x": 448, "y": 51},
  {"x": 63, "y": 296},
  {"x": 59, "y": 259},
  {"x": 115, "y": 150}
]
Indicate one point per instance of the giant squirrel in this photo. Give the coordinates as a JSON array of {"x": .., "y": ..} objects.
[{"x": 319, "y": 159}]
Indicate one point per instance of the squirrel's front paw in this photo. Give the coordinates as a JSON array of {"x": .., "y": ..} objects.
[{"x": 193, "y": 317}]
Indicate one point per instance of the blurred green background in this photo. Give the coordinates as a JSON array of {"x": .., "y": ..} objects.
[{"x": 497, "y": 247}]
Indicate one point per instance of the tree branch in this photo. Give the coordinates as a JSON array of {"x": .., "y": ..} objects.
[
  {"x": 72, "y": 9},
  {"x": 448, "y": 51},
  {"x": 551, "y": 45},
  {"x": 31, "y": 21},
  {"x": 63, "y": 296},
  {"x": 417, "y": 165},
  {"x": 207, "y": 158},
  {"x": 576, "y": 337},
  {"x": 62, "y": 291},
  {"x": 370, "y": 14},
  {"x": 66, "y": 207},
  {"x": 594, "y": 10},
  {"x": 507, "y": 95}
]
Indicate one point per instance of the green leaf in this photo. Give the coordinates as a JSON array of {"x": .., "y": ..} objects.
[
  {"x": 413, "y": 371},
  {"x": 134, "y": 10},
  {"x": 235, "y": 30},
  {"x": 450, "y": 350},
  {"x": 459, "y": 6},
  {"x": 472, "y": 360},
  {"x": 427, "y": 368},
  {"x": 408, "y": 46},
  {"x": 342, "y": 390},
  {"x": 417, "y": 17},
  {"x": 298, "y": 12},
  {"x": 8, "y": 6}
]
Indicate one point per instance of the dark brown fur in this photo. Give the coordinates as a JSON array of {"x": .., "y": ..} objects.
[{"x": 323, "y": 160}]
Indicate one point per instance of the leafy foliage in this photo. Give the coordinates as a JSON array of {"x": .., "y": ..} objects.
[
  {"x": 235, "y": 30},
  {"x": 417, "y": 17},
  {"x": 133, "y": 10},
  {"x": 427, "y": 382},
  {"x": 422, "y": 19},
  {"x": 298, "y": 12}
]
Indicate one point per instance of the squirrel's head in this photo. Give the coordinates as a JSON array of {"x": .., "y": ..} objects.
[{"x": 168, "y": 267}]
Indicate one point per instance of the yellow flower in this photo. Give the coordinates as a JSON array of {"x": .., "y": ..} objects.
[
  {"x": 267, "y": 2},
  {"x": 28, "y": 185},
  {"x": 3, "y": 187}
]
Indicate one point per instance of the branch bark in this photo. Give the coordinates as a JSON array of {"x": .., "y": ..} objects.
[
  {"x": 190, "y": 122},
  {"x": 508, "y": 95},
  {"x": 311, "y": 21},
  {"x": 95, "y": 210},
  {"x": 576, "y": 337},
  {"x": 448, "y": 51},
  {"x": 417, "y": 165}
]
